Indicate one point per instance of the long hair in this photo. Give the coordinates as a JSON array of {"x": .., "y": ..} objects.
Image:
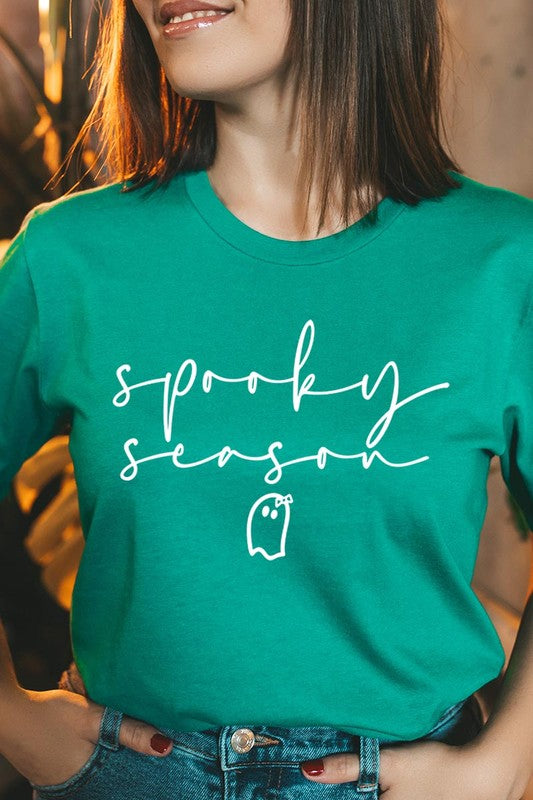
[{"x": 368, "y": 78}]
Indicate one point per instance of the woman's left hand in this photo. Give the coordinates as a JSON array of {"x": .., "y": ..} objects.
[{"x": 430, "y": 770}]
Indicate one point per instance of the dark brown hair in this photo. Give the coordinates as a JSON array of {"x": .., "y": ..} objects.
[{"x": 368, "y": 74}]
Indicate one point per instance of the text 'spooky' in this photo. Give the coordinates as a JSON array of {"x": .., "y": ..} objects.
[{"x": 180, "y": 384}]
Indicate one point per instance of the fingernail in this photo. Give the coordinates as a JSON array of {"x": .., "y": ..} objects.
[
  {"x": 315, "y": 767},
  {"x": 160, "y": 743}
]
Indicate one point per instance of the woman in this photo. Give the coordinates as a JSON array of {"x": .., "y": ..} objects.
[{"x": 288, "y": 351}]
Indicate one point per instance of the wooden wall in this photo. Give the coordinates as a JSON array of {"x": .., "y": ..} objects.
[{"x": 491, "y": 64}]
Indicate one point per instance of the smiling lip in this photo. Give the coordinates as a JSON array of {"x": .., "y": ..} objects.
[
  {"x": 178, "y": 8},
  {"x": 177, "y": 30}
]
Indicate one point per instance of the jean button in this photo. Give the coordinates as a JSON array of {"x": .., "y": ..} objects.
[{"x": 242, "y": 740}]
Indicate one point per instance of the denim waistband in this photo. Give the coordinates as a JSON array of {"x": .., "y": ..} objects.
[
  {"x": 269, "y": 743},
  {"x": 233, "y": 747},
  {"x": 260, "y": 743}
]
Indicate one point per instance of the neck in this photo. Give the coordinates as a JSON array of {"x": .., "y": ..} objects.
[{"x": 255, "y": 172}]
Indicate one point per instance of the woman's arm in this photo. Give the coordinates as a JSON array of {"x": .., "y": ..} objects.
[
  {"x": 8, "y": 679},
  {"x": 508, "y": 733},
  {"x": 496, "y": 765}
]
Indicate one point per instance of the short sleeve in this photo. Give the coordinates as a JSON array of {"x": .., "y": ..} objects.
[
  {"x": 26, "y": 422},
  {"x": 517, "y": 460}
]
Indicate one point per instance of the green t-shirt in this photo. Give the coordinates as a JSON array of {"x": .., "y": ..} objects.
[{"x": 281, "y": 447}]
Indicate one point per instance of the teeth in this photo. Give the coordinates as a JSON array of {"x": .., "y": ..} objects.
[{"x": 196, "y": 15}]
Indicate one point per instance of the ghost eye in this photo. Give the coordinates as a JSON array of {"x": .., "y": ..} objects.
[
  {"x": 274, "y": 513},
  {"x": 265, "y": 511}
]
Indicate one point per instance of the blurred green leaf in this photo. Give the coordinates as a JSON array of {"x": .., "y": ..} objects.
[{"x": 58, "y": 21}]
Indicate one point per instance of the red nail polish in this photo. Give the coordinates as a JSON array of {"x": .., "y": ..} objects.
[
  {"x": 160, "y": 743},
  {"x": 315, "y": 767}
]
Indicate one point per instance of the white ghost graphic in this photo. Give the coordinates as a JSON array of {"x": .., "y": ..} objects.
[{"x": 259, "y": 525}]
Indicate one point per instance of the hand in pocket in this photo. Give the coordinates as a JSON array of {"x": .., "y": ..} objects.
[
  {"x": 49, "y": 736},
  {"x": 429, "y": 769}
]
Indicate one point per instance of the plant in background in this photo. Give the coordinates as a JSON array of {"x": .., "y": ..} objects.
[{"x": 43, "y": 113}]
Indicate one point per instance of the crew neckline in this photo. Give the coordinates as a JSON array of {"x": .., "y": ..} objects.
[{"x": 260, "y": 246}]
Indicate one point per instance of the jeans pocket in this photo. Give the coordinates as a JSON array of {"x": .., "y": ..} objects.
[
  {"x": 76, "y": 781},
  {"x": 106, "y": 746}
]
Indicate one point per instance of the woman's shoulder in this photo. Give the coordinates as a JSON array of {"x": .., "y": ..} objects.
[
  {"x": 491, "y": 205},
  {"x": 80, "y": 206},
  {"x": 65, "y": 236},
  {"x": 495, "y": 227},
  {"x": 487, "y": 224},
  {"x": 101, "y": 207}
]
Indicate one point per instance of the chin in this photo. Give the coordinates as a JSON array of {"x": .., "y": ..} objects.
[
  {"x": 216, "y": 93},
  {"x": 194, "y": 93}
]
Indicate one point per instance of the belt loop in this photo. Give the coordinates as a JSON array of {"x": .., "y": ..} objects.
[
  {"x": 368, "y": 764},
  {"x": 110, "y": 728}
]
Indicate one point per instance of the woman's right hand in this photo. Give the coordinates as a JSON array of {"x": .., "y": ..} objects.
[{"x": 48, "y": 736}]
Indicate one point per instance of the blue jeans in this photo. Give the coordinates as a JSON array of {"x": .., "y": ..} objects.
[{"x": 237, "y": 762}]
